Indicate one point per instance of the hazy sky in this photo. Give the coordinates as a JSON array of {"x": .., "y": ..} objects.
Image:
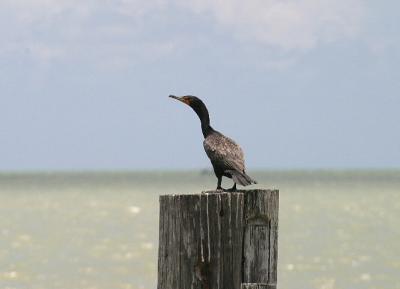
[{"x": 298, "y": 83}]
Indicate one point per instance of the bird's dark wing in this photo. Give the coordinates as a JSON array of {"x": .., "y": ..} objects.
[{"x": 224, "y": 153}]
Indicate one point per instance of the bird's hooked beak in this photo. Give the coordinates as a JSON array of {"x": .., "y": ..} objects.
[{"x": 182, "y": 99}]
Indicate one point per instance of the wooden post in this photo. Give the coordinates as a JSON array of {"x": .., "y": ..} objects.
[
  {"x": 203, "y": 238},
  {"x": 260, "y": 246}
]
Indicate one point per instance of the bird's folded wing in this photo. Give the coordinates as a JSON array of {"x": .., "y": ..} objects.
[{"x": 224, "y": 153}]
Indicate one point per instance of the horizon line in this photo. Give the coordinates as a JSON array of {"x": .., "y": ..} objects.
[{"x": 184, "y": 170}]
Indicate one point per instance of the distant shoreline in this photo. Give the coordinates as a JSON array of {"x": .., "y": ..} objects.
[{"x": 204, "y": 171}]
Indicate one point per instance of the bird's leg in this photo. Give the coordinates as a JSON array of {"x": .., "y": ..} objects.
[
  {"x": 233, "y": 189},
  {"x": 219, "y": 188}
]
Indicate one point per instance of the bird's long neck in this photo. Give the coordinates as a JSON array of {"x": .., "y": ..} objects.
[{"x": 202, "y": 111}]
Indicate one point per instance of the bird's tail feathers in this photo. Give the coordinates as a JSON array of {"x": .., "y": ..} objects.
[{"x": 241, "y": 178}]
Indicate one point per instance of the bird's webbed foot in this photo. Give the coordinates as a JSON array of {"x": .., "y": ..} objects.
[
  {"x": 233, "y": 189},
  {"x": 220, "y": 189}
]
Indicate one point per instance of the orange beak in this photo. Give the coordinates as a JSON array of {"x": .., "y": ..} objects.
[{"x": 182, "y": 99}]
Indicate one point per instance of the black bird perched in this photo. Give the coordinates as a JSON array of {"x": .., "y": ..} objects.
[{"x": 226, "y": 156}]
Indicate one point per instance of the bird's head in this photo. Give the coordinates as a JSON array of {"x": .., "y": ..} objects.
[
  {"x": 190, "y": 100},
  {"x": 200, "y": 108}
]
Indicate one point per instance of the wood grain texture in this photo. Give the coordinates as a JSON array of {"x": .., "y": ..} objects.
[
  {"x": 260, "y": 244},
  {"x": 200, "y": 243},
  {"x": 218, "y": 240}
]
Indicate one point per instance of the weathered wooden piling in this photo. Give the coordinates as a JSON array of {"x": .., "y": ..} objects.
[
  {"x": 260, "y": 246},
  {"x": 218, "y": 240}
]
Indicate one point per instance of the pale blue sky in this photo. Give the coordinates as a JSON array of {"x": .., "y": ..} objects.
[{"x": 298, "y": 83}]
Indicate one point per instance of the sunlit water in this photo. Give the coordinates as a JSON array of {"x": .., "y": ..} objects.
[{"x": 100, "y": 230}]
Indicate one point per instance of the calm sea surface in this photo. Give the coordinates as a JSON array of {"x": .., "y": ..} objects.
[{"x": 337, "y": 230}]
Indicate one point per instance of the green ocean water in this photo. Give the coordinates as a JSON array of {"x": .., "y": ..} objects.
[{"x": 338, "y": 229}]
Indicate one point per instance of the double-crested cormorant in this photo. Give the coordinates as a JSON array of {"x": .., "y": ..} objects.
[{"x": 226, "y": 156}]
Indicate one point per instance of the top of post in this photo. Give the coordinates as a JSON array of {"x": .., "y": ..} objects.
[{"x": 218, "y": 192}]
